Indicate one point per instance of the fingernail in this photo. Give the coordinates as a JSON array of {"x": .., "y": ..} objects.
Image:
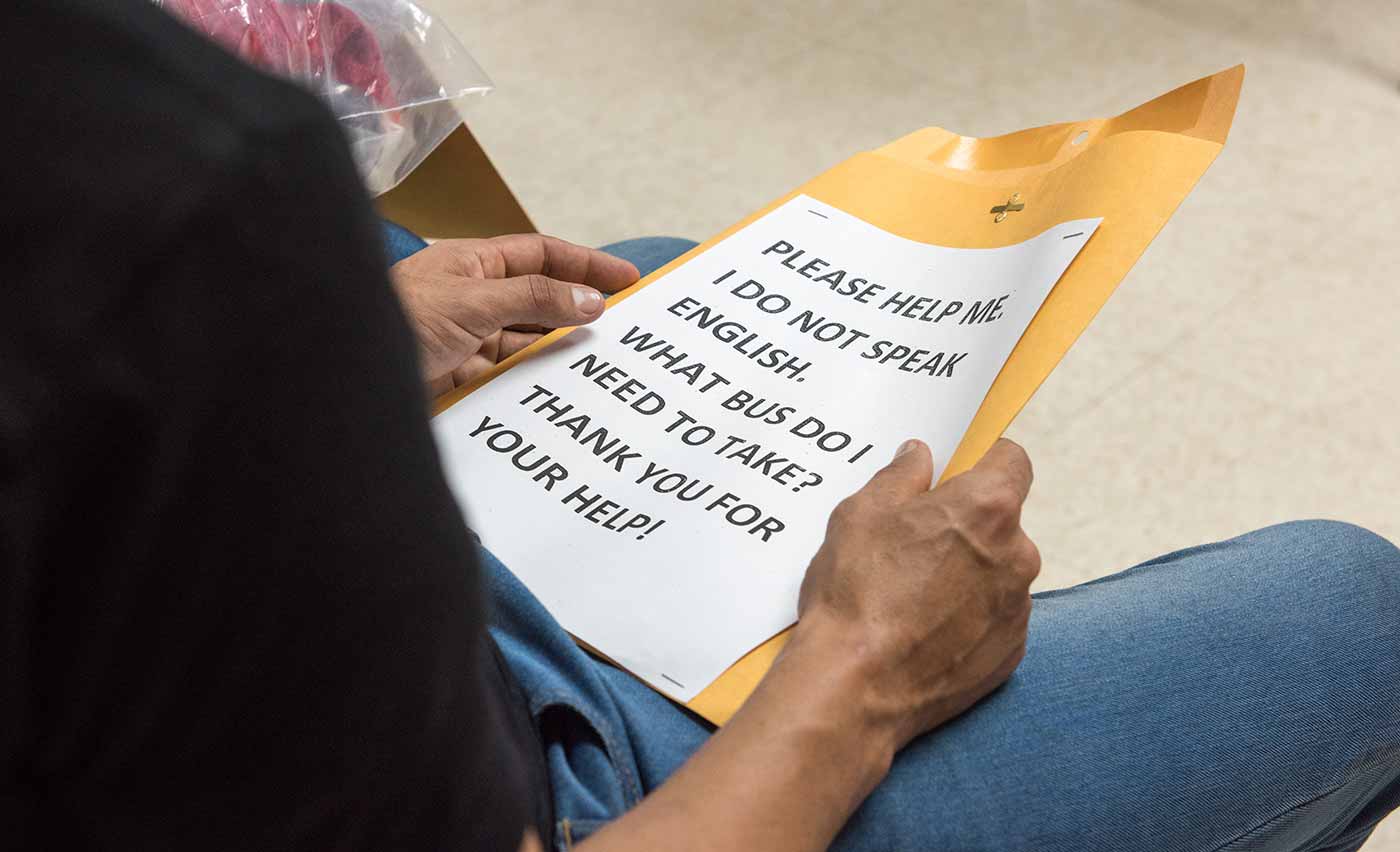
[
  {"x": 905, "y": 447},
  {"x": 587, "y": 300}
]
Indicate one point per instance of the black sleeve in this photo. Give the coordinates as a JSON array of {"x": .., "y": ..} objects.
[{"x": 243, "y": 601}]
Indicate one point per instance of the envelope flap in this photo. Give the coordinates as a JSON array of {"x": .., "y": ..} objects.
[{"x": 1203, "y": 109}]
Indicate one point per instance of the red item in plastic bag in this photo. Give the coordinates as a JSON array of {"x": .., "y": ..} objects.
[
  {"x": 388, "y": 71},
  {"x": 303, "y": 40}
]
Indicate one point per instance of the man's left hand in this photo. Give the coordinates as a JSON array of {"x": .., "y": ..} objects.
[{"x": 473, "y": 303}]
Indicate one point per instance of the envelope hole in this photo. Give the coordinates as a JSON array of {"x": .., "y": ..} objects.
[{"x": 1083, "y": 134}]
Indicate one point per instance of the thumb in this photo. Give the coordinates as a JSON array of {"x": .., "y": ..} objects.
[
  {"x": 909, "y": 473},
  {"x": 536, "y": 300}
]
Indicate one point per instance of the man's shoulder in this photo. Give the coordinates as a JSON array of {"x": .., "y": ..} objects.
[
  {"x": 128, "y": 84},
  {"x": 131, "y": 141},
  {"x": 137, "y": 37}
]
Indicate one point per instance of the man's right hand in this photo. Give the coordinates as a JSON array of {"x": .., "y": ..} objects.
[
  {"x": 914, "y": 608},
  {"x": 926, "y": 592}
]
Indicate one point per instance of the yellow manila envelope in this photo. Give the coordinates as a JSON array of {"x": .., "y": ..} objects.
[{"x": 936, "y": 187}]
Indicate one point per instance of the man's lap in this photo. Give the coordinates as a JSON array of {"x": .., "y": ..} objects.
[{"x": 1183, "y": 704}]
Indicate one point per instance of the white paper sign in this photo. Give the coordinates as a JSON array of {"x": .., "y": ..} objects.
[{"x": 661, "y": 478}]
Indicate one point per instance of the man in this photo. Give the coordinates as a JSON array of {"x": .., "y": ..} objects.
[{"x": 240, "y": 610}]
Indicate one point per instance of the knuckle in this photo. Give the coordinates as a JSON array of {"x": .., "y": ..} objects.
[
  {"x": 979, "y": 500},
  {"x": 1016, "y": 454},
  {"x": 1028, "y": 560},
  {"x": 1034, "y": 560},
  {"x": 458, "y": 255},
  {"x": 1015, "y": 466},
  {"x": 1027, "y": 467},
  {"x": 997, "y": 498},
  {"x": 541, "y": 293},
  {"x": 846, "y": 512}
]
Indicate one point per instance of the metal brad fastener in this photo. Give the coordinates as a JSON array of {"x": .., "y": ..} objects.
[{"x": 1012, "y": 205}]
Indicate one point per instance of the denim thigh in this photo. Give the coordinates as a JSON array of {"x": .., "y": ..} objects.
[{"x": 1238, "y": 695}]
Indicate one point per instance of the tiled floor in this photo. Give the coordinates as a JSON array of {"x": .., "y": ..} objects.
[{"x": 1247, "y": 370}]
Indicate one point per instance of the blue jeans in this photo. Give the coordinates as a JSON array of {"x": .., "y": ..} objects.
[
  {"x": 1243, "y": 695},
  {"x": 647, "y": 254}
]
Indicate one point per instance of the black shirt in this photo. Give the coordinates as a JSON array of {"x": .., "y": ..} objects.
[{"x": 238, "y": 606}]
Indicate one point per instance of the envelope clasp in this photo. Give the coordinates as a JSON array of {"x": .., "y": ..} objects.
[{"x": 1012, "y": 205}]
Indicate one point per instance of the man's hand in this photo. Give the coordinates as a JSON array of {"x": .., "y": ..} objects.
[
  {"x": 473, "y": 303},
  {"x": 928, "y": 591},
  {"x": 913, "y": 609}
]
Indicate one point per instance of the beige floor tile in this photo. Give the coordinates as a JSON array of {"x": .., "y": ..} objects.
[
  {"x": 1175, "y": 458},
  {"x": 591, "y": 106},
  {"x": 1386, "y": 837},
  {"x": 1358, "y": 34},
  {"x": 1306, "y": 340}
]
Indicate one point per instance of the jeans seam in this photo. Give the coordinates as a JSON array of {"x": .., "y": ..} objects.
[
  {"x": 631, "y": 787},
  {"x": 1373, "y": 759}
]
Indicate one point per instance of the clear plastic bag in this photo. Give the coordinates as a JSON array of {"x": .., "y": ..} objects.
[{"x": 389, "y": 70}]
